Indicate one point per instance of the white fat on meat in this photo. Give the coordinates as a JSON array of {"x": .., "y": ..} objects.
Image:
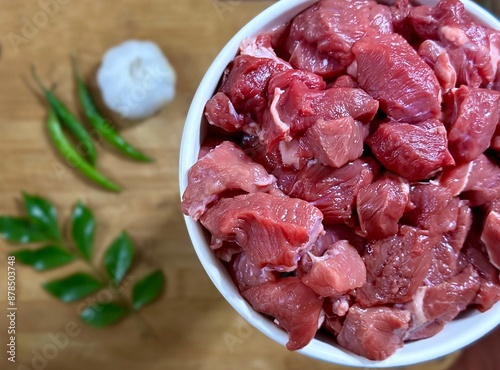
[
  {"x": 252, "y": 47},
  {"x": 280, "y": 125}
]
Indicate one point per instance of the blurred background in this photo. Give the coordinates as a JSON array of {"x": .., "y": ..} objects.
[
  {"x": 190, "y": 326},
  {"x": 493, "y": 5}
]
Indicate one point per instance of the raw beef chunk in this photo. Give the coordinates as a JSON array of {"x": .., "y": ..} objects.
[
  {"x": 226, "y": 167},
  {"x": 434, "y": 306},
  {"x": 246, "y": 275},
  {"x": 475, "y": 253},
  {"x": 295, "y": 107},
  {"x": 392, "y": 72},
  {"x": 477, "y": 181},
  {"x": 415, "y": 152},
  {"x": 396, "y": 267},
  {"x": 336, "y": 272},
  {"x": 381, "y": 205},
  {"x": 491, "y": 234},
  {"x": 436, "y": 56},
  {"x": 331, "y": 27},
  {"x": 273, "y": 230},
  {"x": 375, "y": 332},
  {"x": 467, "y": 43},
  {"x": 472, "y": 120},
  {"x": 336, "y": 142},
  {"x": 434, "y": 209},
  {"x": 333, "y": 191},
  {"x": 295, "y": 307},
  {"x": 220, "y": 112}
]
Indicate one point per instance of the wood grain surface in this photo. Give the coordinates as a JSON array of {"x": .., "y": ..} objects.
[{"x": 195, "y": 327}]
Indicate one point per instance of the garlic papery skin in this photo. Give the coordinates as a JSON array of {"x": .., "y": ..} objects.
[{"x": 136, "y": 79}]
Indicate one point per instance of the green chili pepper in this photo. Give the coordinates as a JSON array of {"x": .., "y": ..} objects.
[
  {"x": 69, "y": 120},
  {"x": 99, "y": 122},
  {"x": 67, "y": 150}
]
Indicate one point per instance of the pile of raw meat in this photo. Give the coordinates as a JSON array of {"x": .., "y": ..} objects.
[{"x": 350, "y": 178}]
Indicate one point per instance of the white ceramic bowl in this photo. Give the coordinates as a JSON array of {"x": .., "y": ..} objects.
[{"x": 457, "y": 334}]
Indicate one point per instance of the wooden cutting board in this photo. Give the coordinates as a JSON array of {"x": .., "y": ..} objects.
[{"x": 196, "y": 328}]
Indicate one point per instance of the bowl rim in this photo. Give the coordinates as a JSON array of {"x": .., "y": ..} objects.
[{"x": 413, "y": 352}]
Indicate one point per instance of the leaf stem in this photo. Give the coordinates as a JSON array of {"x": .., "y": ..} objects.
[
  {"x": 146, "y": 329},
  {"x": 144, "y": 326}
]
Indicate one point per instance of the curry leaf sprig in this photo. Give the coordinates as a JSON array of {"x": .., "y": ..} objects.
[{"x": 40, "y": 225}]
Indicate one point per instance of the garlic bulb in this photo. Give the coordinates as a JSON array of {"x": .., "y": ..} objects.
[{"x": 136, "y": 79}]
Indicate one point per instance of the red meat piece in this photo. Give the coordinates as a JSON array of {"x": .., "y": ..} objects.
[
  {"x": 396, "y": 267},
  {"x": 434, "y": 306},
  {"x": 336, "y": 142},
  {"x": 477, "y": 181},
  {"x": 381, "y": 205},
  {"x": 333, "y": 191},
  {"x": 415, "y": 152},
  {"x": 475, "y": 253},
  {"x": 375, "y": 333},
  {"x": 346, "y": 81},
  {"x": 336, "y": 272},
  {"x": 491, "y": 234},
  {"x": 472, "y": 115},
  {"x": 224, "y": 168},
  {"x": 306, "y": 56},
  {"x": 245, "y": 83},
  {"x": 466, "y": 41},
  {"x": 296, "y": 107},
  {"x": 295, "y": 307},
  {"x": 436, "y": 56},
  {"x": 435, "y": 209},
  {"x": 246, "y": 275},
  {"x": 274, "y": 230},
  {"x": 332, "y": 26},
  {"x": 220, "y": 112},
  {"x": 392, "y": 72}
]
